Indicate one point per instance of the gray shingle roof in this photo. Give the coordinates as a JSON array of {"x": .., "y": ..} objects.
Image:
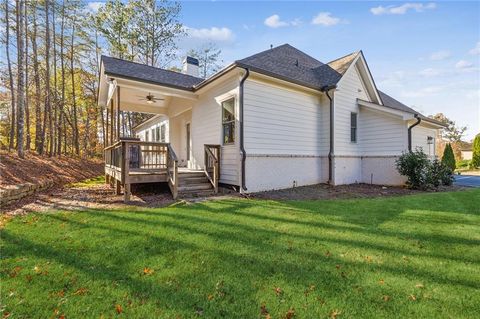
[
  {"x": 142, "y": 72},
  {"x": 284, "y": 62},
  {"x": 291, "y": 64},
  {"x": 390, "y": 102}
]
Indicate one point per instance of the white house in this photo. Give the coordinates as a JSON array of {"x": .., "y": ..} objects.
[{"x": 280, "y": 119}]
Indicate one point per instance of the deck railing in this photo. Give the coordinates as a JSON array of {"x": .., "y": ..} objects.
[
  {"x": 126, "y": 156},
  {"x": 212, "y": 164}
]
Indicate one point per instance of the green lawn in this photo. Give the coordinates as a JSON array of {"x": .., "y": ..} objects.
[{"x": 411, "y": 257}]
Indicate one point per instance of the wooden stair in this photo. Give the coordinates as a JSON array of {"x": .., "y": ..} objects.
[{"x": 193, "y": 183}]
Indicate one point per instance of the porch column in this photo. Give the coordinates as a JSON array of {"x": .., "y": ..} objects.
[
  {"x": 118, "y": 112},
  {"x": 111, "y": 122}
]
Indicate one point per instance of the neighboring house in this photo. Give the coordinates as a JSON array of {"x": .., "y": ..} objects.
[
  {"x": 281, "y": 118},
  {"x": 467, "y": 154}
]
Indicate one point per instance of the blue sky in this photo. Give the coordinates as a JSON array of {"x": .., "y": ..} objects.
[{"x": 425, "y": 54}]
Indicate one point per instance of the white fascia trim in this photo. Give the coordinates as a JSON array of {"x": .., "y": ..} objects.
[{"x": 380, "y": 108}]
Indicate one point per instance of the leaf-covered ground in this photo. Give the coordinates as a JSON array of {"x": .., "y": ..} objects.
[{"x": 412, "y": 256}]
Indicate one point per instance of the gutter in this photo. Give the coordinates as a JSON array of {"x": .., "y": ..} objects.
[
  {"x": 240, "y": 111},
  {"x": 410, "y": 131},
  {"x": 327, "y": 89}
]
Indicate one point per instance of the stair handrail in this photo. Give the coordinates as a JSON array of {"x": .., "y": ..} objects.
[
  {"x": 212, "y": 162},
  {"x": 172, "y": 171}
]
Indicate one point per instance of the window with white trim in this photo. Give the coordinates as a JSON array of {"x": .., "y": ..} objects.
[
  {"x": 228, "y": 121},
  {"x": 353, "y": 127},
  {"x": 163, "y": 129}
]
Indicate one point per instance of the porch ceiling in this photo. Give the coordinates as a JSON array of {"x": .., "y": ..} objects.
[{"x": 133, "y": 95}]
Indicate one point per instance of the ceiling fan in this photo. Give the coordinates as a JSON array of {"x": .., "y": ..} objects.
[{"x": 150, "y": 99}]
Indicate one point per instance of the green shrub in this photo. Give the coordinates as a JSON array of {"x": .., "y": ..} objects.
[
  {"x": 423, "y": 173},
  {"x": 448, "y": 157},
  {"x": 476, "y": 152},
  {"x": 463, "y": 164},
  {"x": 438, "y": 174}
]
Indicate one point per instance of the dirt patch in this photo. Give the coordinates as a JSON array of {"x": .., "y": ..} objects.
[
  {"x": 39, "y": 169},
  {"x": 324, "y": 191}
]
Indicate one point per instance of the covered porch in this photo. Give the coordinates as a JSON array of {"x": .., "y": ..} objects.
[{"x": 131, "y": 158}]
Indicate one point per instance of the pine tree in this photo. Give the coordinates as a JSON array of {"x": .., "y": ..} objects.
[
  {"x": 476, "y": 152},
  {"x": 448, "y": 158}
]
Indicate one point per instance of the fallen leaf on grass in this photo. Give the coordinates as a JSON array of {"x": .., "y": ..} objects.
[
  {"x": 290, "y": 313},
  {"x": 278, "y": 291},
  {"x": 412, "y": 297},
  {"x": 15, "y": 271},
  {"x": 118, "y": 309},
  {"x": 210, "y": 297},
  {"x": 381, "y": 281},
  {"x": 386, "y": 298},
  {"x": 335, "y": 313},
  {"x": 419, "y": 286},
  {"x": 61, "y": 293},
  {"x": 37, "y": 270},
  {"x": 309, "y": 290},
  {"x": 6, "y": 314},
  {"x": 328, "y": 254},
  {"x": 61, "y": 316},
  {"x": 147, "y": 271},
  {"x": 80, "y": 291},
  {"x": 264, "y": 311},
  {"x": 338, "y": 266}
]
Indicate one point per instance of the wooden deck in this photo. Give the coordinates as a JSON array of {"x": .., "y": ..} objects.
[{"x": 134, "y": 162}]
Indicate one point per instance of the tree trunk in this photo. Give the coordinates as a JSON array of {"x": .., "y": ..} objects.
[
  {"x": 36, "y": 76},
  {"x": 48, "y": 113},
  {"x": 27, "y": 107},
  {"x": 10, "y": 75},
  {"x": 62, "y": 104},
  {"x": 20, "y": 77},
  {"x": 55, "y": 92},
  {"x": 74, "y": 102}
]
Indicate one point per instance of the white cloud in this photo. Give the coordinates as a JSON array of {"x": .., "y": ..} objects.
[
  {"x": 430, "y": 72},
  {"x": 274, "y": 21},
  {"x": 402, "y": 9},
  {"x": 475, "y": 50},
  {"x": 423, "y": 92},
  {"x": 462, "y": 64},
  {"x": 223, "y": 34},
  {"x": 325, "y": 19},
  {"x": 94, "y": 6},
  {"x": 440, "y": 55}
]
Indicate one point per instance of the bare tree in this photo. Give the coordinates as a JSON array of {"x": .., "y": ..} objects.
[
  {"x": 36, "y": 76},
  {"x": 20, "y": 76},
  {"x": 10, "y": 75}
]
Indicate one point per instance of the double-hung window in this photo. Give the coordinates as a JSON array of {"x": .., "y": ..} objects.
[
  {"x": 157, "y": 134},
  {"x": 228, "y": 121},
  {"x": 353, "y": 127}
]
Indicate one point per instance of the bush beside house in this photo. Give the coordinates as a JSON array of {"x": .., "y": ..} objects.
[{"x": 423, "y": 173}]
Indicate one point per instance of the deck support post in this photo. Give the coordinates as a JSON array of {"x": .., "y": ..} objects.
[
  {"x": 126, "y": 193},
  {"x": 118, "y": 187},
  {"x": 107, "y": 179}
]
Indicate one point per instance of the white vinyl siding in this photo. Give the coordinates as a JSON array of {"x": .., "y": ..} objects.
[
  {"x": 350, "y": 88},
  {"x": 279, "y": 120},
  {"x": 420, "y": 135},
  {"x": 148, "y": 132},
  {"x": 207, "y": 129},
  {"x": 382, "y": 134}
]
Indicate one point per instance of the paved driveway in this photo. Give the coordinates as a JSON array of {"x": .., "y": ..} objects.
[{"x": 467, "y": 180}]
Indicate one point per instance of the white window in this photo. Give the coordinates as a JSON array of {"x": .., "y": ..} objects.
[
  {"x": 228, "y": 121},
  {"x": 163, "y": 133},
  {"x": 353, "y": 127}
]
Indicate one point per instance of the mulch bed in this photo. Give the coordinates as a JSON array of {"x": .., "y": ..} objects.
[{"x": 325, "y": 191}]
